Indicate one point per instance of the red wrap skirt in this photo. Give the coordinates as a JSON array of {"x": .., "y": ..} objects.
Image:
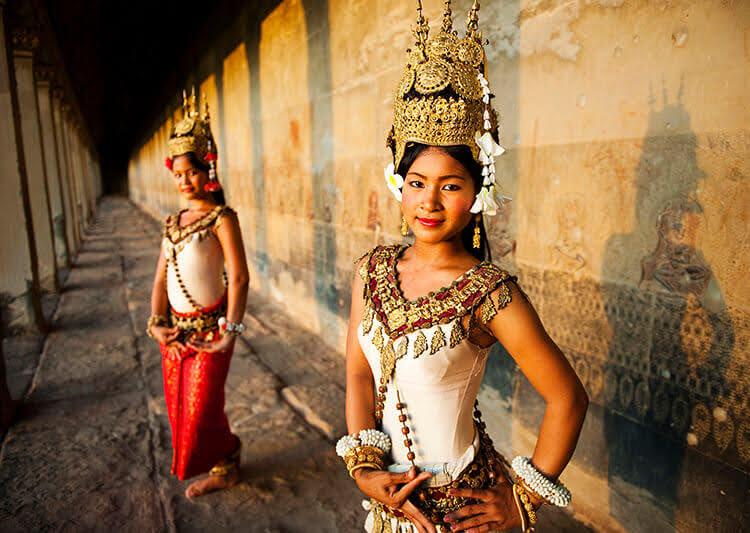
[{"x": 194, "y": 393}]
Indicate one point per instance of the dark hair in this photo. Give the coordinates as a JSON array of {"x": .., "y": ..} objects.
[
  {"x": 463, "y": 155},
  {"x": 218, "y": 196}
]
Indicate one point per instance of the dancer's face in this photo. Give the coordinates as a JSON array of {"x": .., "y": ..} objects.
[
  {"x": 189, "y": 178},
  {"x": 437, "y": 194}
]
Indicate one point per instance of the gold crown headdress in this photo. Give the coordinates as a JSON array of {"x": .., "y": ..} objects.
[
  {"x": 193, "y": 134},
  {"x": 443, "y": 99}
]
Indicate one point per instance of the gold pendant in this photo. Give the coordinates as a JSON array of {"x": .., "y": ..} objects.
[
  {"x": 438, "y": 341},
  {"x": 457, "y": 333},
  {"x": 387, "y": 360},
  {"x": 420, "y": 344}
]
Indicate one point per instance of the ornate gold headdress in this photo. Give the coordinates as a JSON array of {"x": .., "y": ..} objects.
[
  {"x": 193, "y": 134},
  {"x": 443, "y": 99}
]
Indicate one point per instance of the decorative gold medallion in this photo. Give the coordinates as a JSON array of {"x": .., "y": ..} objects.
[
  {"x": 432, "y": 76},
  {"x": 469, "y": 51},
  {"x": 466, "y": 82},
  {"x": 442, "y": 46}
]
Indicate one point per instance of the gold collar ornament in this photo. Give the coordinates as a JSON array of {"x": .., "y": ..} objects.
[
  {"x": 443, "y": 99},
  {"x": 193, "y": 134}
]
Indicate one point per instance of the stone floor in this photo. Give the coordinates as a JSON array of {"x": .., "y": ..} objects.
[{"x": 91, "y": 448}]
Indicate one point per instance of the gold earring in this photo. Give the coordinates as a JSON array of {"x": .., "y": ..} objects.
[
  {"x": 404, "y": 227},
  {"x": 477, "y": 240}
]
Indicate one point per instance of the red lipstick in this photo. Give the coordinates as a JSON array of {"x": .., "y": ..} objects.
[{"x": 430, "y": 222}]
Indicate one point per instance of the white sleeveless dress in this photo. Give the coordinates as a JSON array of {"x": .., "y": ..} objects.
[
  {"x": 195, "y": 262},
  {"x": 422, "y": 347}
]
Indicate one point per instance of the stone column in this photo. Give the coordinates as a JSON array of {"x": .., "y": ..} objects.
[
  {"x": 23, "y": 62},
  {"x": 62, "y": 159},
  {"x": 78, "y": 176},
  {"x": 88, "y": 173},
  {"x": 49, "y": 144},
  {"x": 75, "y": 213},
  {"x": 91, "y": 165},
  {"x": 20, "y": 306},
  {"x": 73, "y": 175}
]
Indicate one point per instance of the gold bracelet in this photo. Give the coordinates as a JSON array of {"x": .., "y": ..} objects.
[
  {"x": 523, "y": 495},
  {"x": 522, "y": 511},
  {"x": 358, "y": 466},
  {"x": 364, "y": 454},
  {"x": 155, "y": 320}
]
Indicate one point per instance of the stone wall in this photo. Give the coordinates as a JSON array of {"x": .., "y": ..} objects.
[{"x": 627, "y": 128}]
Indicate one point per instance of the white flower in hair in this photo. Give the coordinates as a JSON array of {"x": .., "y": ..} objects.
[
  {"x": 394, "y": 181},
  {"x": 485, "y": 202},
  {"x": 488, "y": 148}
]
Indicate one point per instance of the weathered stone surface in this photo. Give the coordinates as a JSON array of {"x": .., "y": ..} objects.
[{"x": 320, "y": 406}]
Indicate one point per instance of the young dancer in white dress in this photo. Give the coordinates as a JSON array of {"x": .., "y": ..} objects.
[{"x": 424, "y": 317}]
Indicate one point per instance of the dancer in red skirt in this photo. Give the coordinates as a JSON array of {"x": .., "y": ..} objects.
[{"x": 197, "y": 304}]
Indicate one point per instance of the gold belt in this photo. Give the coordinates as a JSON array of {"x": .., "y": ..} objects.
[{"x": 199, "y": 322}]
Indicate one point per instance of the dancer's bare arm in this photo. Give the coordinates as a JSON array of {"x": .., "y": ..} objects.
[{"x": 520, "y": 331}]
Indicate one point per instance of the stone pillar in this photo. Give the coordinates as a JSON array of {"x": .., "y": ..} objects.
[
  {"x": 75, "y": 213},
  {"x": 98, "y": 178},
  {"x": 62, "y": 159},
  {"x": 93, "y": 179},
  {"x": 49, "y": 144},
  {"x": 36, "y": 173},
  {"x": 89, "y": 177},
  {"x": 20, "y": 306},
  {"x": 78, "y": 176},
  {"x": 73, "y": 175}
]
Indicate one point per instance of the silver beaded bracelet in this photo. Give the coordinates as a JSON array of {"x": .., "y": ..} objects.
[
  {"x": 553, "y": 492},
  {"x": 366, "y": 437},
  {"x": 231, "y": 328}
]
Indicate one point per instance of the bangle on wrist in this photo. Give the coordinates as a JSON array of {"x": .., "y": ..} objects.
[
  {"x": 155, "y": 320},
  {"x": 360, "y": 466},
  {"x": 368, "y": 455},
  {"x": 231, "y": 328},
  {"x": 552, "y": 492},
  {"x": 367, "y": 449},
  {"x": 536, "y": 500}
]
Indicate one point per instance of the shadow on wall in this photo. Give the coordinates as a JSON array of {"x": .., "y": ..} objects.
[
  {"x": 501, "y": 374},
  {"x": 666, "y": 420}
]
